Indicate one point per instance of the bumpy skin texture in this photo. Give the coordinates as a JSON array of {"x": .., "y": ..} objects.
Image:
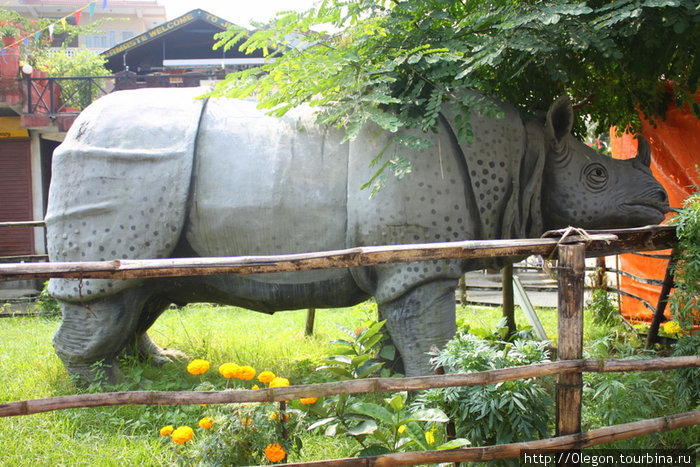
[{"x": 155, "y": 173}]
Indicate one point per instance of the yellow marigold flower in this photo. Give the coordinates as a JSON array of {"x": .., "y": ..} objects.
[
  {"x": 255, "y": 386},
  {"x": 672, "y": 327},
  {"x": 206, "y": 422},
  {"x": 279, "y": 382},
  {"x": 266, "y": 376},
  {"x": 308, "y": 400},
  {"x": 430, "y": 438},
  {"x": 247, "y": 421},
  {"x": 401, "y": 429},
  {"x": 275, "y": 452},
  {"x": 166, "y": 430},
  {"x": 245, "y": 372},
  {"x": 228, "y": 370},
  {"x": 182, "y": 434},
  {"x": 198, "y": 366}
]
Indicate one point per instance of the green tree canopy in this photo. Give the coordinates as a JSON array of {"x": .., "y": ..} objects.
[{"x": 397, "y": 62}]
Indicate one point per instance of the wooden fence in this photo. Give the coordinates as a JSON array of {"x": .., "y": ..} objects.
[{"x": 570, "y": 246}]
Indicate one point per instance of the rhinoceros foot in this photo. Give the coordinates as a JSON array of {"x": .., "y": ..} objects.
[
  {"x": 97, "y": 373},
  {"x": 148, "y": 351}
]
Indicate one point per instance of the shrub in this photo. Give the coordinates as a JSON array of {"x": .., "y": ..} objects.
[
  {"x": 685, "y": 298},
  {"x": 497, "y": 413}
]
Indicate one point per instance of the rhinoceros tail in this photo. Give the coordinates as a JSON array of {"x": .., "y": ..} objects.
[{"x": 120, "y": 183}]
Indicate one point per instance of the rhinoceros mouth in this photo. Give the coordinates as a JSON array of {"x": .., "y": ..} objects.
[{"x": 647, "y": 210}]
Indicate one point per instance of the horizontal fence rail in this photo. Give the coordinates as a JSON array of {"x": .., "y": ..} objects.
[
  {"x": 358, "y": 386},
  {"x": 505, "y": 451},
  {"x": 598, "y": 244}
]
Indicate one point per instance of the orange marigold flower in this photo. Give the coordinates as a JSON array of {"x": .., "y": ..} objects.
[
  {"x": 245, "y": 372},
  {"x": 228, "y": 370},
  {"x": 182, "y": 434},
  {"x": 166, "y": 430},
  {"x": 266, "y": 376},
  {"x": 308, "y": 400},
  {"x": 279, "y": 382},
  {"x": 206, "y": 422},
  {"x": 198, "y": 366},
  {"x": 275, "y": 452}
]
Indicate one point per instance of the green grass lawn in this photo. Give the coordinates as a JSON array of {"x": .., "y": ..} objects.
[{"x": 128, "y": 435}]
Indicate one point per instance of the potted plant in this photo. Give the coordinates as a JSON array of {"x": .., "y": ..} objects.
[{"x": 8, "y": 32}]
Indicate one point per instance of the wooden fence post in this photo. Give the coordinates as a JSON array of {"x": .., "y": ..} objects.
[
  {"x": 310, "y": 318},
  {"x": 508, "y": 300},
  {"x": 569, "y": 387}
]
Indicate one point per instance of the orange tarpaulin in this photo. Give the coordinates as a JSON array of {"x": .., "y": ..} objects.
[{"x": 675, "y": 151}]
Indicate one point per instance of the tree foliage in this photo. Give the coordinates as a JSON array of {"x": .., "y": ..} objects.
[{"x": 395, "y": 63}]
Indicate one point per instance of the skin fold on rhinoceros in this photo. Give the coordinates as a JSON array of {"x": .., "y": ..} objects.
[{"x": 157, "y": 173}]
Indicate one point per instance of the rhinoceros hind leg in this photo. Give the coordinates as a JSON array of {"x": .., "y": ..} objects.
[
  {"x": 91, "y": 335},
  {"x": 419, "y": 320}
]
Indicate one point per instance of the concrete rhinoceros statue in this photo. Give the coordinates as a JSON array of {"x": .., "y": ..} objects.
[{"x": 156, "y": 173}]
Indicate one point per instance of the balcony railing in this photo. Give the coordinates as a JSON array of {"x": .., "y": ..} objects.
[{"x": 53, "y": 96}]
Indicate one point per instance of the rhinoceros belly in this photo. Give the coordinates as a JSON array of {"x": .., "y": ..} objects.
[{"x": 267, "y": 186}]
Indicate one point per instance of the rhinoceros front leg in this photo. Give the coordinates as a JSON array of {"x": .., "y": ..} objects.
[
  {"x": 147, "y": 350},
  {"x": 420, "y": 319},
  {"x": 91, "y": 335}
]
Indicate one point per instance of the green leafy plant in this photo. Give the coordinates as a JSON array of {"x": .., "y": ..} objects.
[
  {"x": 83, "y": 63},
  {"x": 377, "y": 428},
  {"x": 685, "y": 298},
  {"x": 355, "y": 355},
  {"x": 604, "y": 310},
  {"x": 498, "y": 413},
  {"x": 613, "y": 398},
  {"x": 45, "y": 303}
]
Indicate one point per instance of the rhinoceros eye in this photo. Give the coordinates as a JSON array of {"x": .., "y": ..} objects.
[{"x": 595, "y": 176}]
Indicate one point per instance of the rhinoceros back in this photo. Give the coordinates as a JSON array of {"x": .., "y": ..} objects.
[{"x": 120, "y": 183}]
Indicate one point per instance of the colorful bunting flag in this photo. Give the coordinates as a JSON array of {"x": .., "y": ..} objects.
[
  {"x": 50, "y": 27},
  {"x": 3, "y": 55}
]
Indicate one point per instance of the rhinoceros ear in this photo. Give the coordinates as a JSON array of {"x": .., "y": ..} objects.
[
  {"x": 643, "y": 151},
  {"x": 560, "y": 119}
]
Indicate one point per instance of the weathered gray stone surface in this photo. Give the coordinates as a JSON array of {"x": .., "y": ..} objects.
[{"x": 156, "y": 173}]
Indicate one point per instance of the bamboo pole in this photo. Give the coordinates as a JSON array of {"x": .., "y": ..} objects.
[
  {"x": 661, "y": 303},
  {"x": 353, "y": 257},
  {"x": 23, "y": 224},
  {"x": 359, "y": 386},
  {"x": 508, "y": 300},
  {"x": 604, "y": 243},
  {"x": 505, "y": 451},
  {"x": 569, "y": 387},
  {"x": 310, "y": 319}
]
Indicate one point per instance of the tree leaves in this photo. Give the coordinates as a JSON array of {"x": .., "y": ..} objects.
[{"x": 397, "y": 63}]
